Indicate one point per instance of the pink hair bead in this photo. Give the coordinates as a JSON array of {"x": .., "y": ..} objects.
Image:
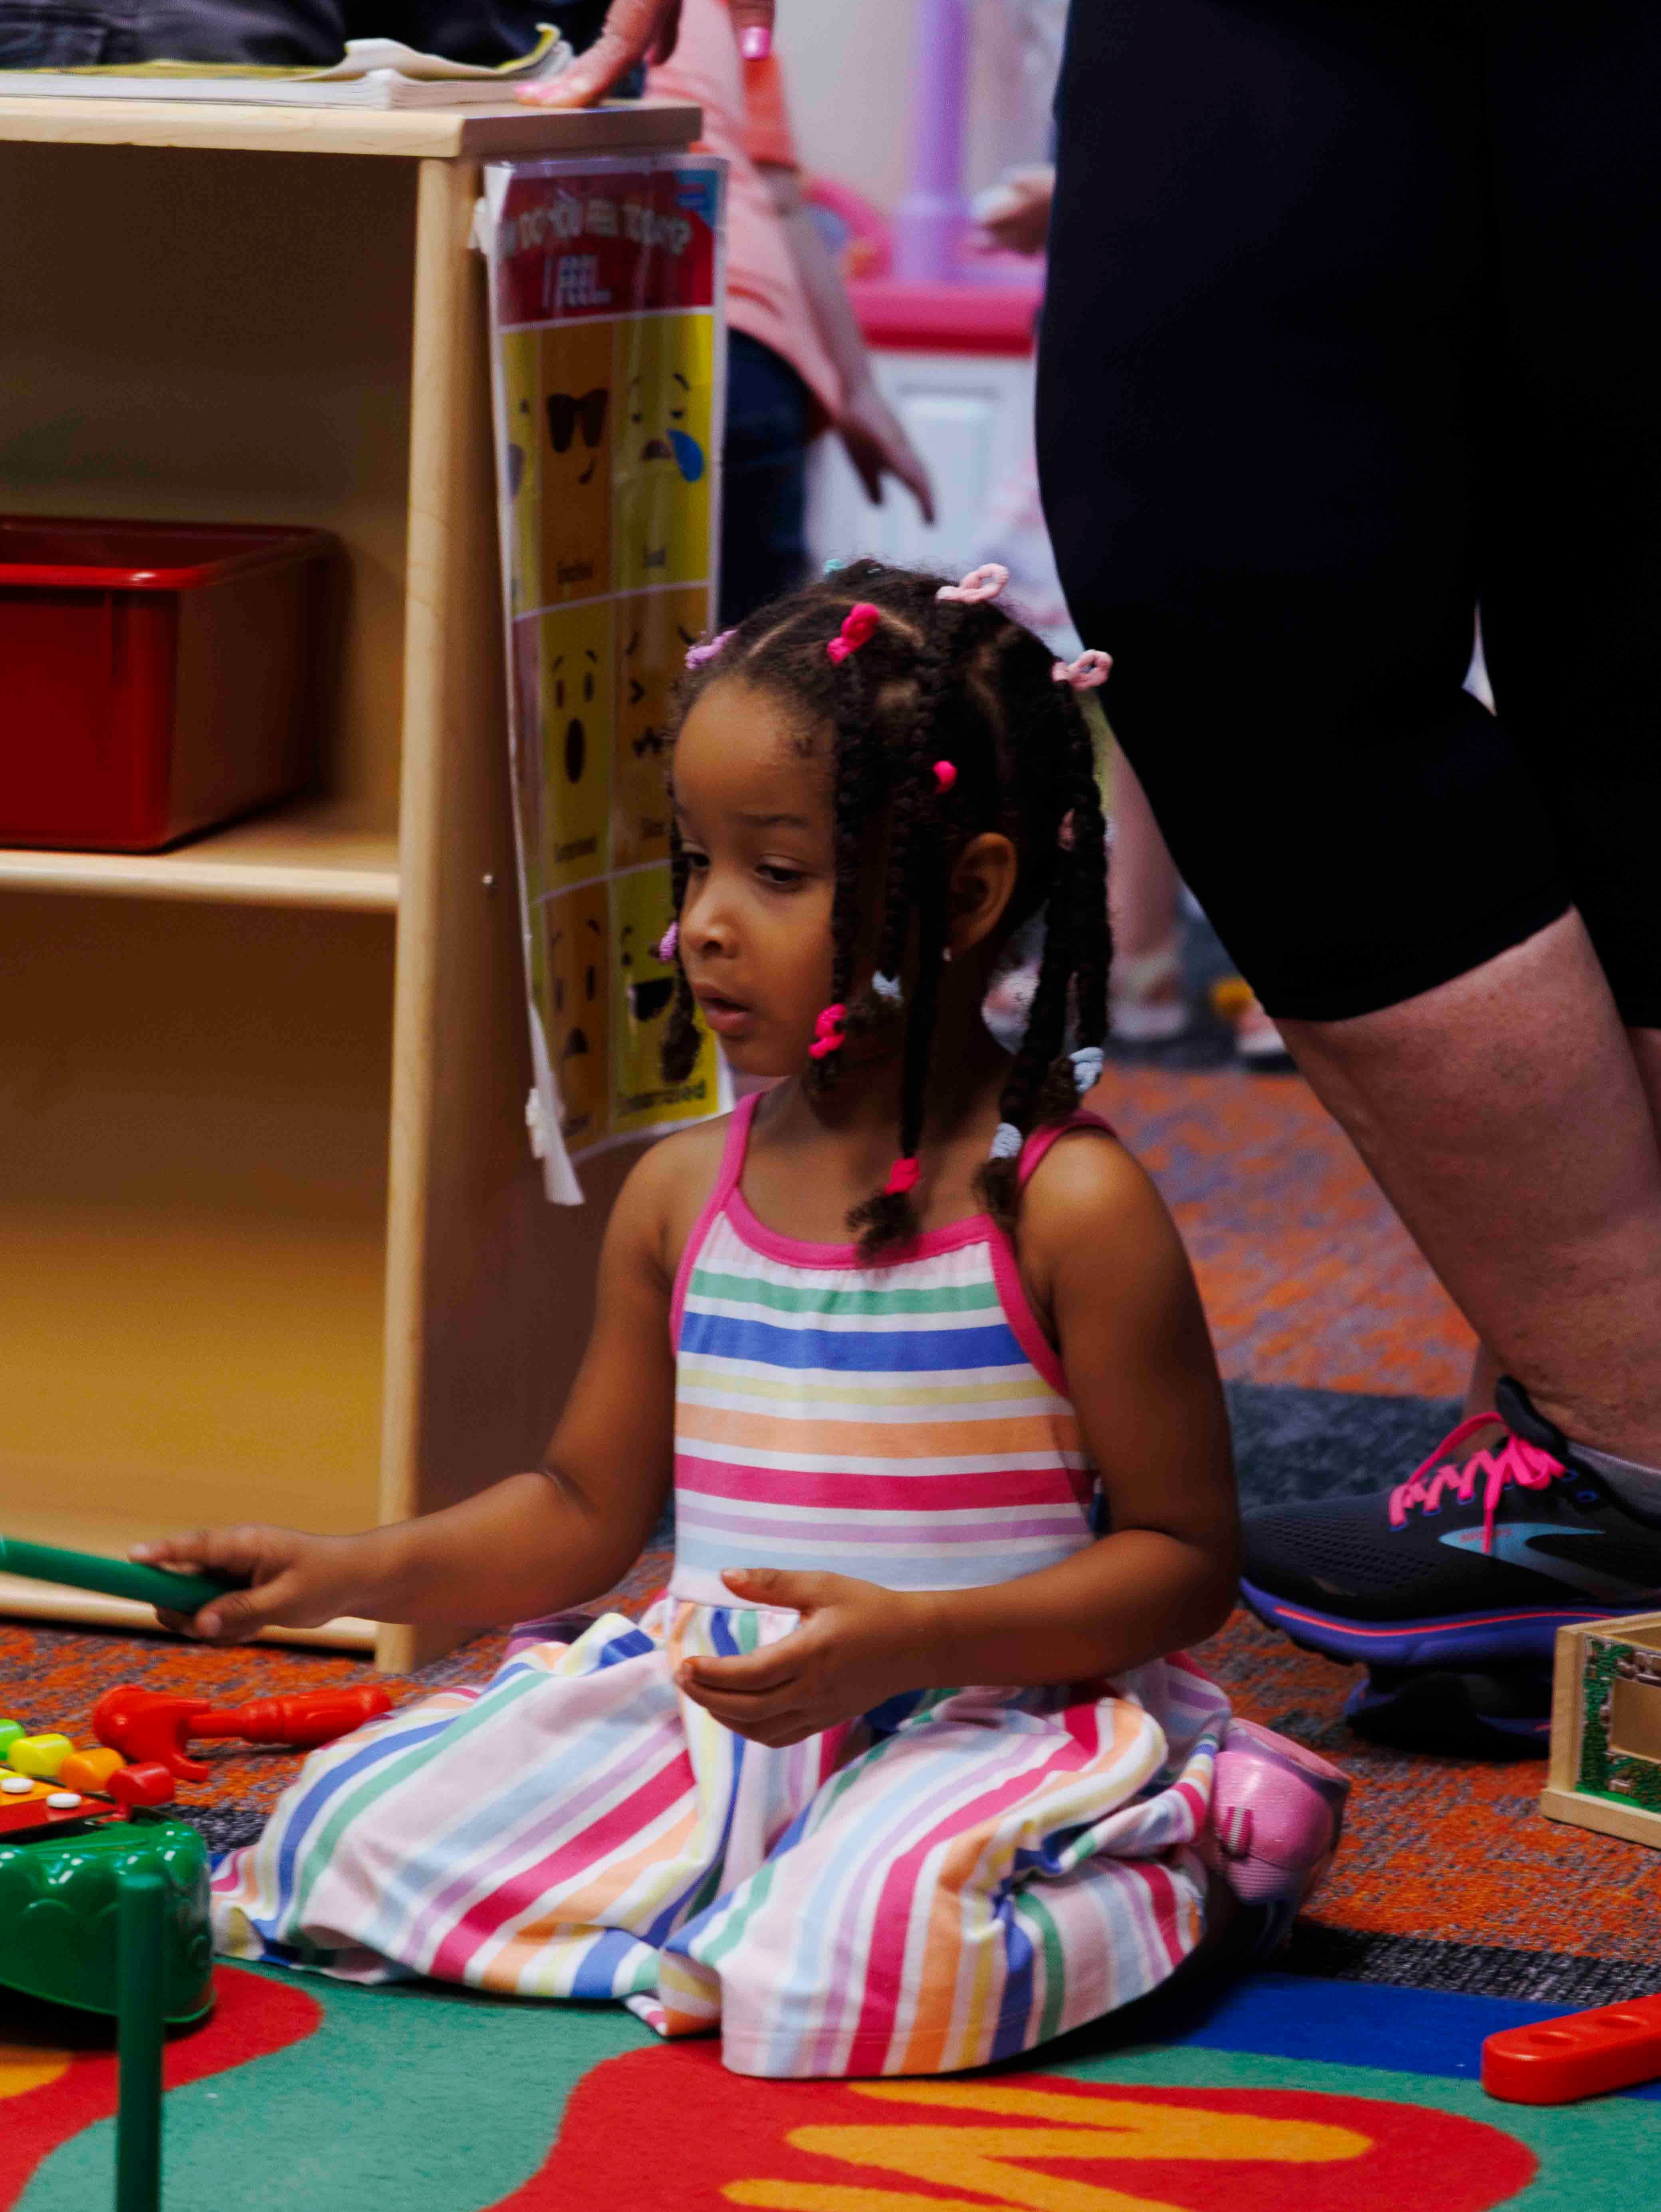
[
  {"x": 944, "y": 776},
  {"x": 902, "y": 1177},
  {"x": 859, "y": 625}
]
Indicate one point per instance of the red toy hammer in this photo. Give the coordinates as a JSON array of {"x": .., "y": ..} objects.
[
  {"x": 148, "y": 1726},
  {"x": 145, "y": 1725}
]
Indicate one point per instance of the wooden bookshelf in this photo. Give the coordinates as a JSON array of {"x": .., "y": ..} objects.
[{"x": 272, "y": 1244}]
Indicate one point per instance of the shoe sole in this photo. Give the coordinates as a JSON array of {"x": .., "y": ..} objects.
[{"x": 1496, "y": 1638}]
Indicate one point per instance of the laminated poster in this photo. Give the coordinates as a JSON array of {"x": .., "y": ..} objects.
[{"x": 608, "y": 370}]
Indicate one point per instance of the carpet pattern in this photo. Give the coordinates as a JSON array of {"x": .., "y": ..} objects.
[
  {"x": 1256, "y": 2094},
  {"x": 1344, "y": 1356}
]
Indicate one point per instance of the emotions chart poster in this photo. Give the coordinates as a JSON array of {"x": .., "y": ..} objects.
[{"x": 607, "y": 362}]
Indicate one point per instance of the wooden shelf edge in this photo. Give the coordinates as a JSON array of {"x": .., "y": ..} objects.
[
  {"x": 31, "y": 1600},
  {"x": 441, "y": 134},
  {"x": 281, "y": 858},
  {"x": 1580, "y": 1810}
]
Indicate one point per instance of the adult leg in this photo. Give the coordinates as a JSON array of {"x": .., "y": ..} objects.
[
  {"x": 764, "y": 547},
  {"x": 1274, "y": 235},
  {"x": 1504, "y": 1114}
]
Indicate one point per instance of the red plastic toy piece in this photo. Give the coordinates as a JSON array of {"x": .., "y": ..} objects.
[
  {"x": 1585, "y": 2054},
  {"x": 150, "y": 1726},
  {"x": 148, "y": 1784},
  {"x": 308, "y": 1718}
]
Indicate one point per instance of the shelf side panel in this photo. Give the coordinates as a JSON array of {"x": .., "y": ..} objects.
[{"x": 489, "y": 1289}]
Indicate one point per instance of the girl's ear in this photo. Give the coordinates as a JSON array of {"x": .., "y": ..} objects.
[{"x": 982, "y": 884}]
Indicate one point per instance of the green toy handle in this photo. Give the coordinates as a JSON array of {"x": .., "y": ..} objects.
[{"x": 45, "y": 1563}]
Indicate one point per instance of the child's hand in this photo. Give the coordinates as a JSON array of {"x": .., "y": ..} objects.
[
  {"x": 298, "y": 1580},
  {"x": 856, "y": 1644}
]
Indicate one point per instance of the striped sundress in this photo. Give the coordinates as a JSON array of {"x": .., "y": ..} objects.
[{"x": 953, "y": 1877}]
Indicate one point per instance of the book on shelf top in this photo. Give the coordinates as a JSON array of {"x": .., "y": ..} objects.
[{"x": 374, "y": 73}]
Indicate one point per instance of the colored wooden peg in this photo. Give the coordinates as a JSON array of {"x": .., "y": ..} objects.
[
  {"x": 1585, "y": 2054},
  {"x": 9, "y": 1732},
  {"x": 38, "y": 1756},
  {"x": 90, "y": 1769}
]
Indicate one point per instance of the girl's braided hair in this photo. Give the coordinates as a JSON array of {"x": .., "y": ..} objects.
[{"x": 966, "y": 684}]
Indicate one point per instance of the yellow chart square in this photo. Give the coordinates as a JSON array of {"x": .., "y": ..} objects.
[
  {"x": 521, "y": 377},
  {"x": 576, "y": 690},
  {"x": 661, "y": 456},
  {"x": 642, "y": 988},
  {"x": 568, "y": 968},
  {"x": 575, "y": 418},
  {"x": 653, "y": 629}
]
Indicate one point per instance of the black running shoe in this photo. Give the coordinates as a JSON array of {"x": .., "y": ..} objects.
[
  {"x": 1504, "y": 1713},
  {"x": 1476, "y": 1561}
]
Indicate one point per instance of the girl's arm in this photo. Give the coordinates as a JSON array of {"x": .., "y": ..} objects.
[
  {"x": 1104, "y": 1260},
  {"x": 531, "y": 1543}
]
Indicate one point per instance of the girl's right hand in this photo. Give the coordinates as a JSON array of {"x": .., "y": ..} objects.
[{"x": 294, "y": 1579}]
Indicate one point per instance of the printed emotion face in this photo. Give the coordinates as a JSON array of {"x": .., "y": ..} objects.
[
  {"x": 576, "y": 1015},
  {"x": 522, "y": 355},
  {"x": 653, "y": 632},
  {"x": 575, "y": 711},
  {"x": 666, "y": 376},
  {"x": 574, "y": 443},
  {"x": 644, "y": 988}
]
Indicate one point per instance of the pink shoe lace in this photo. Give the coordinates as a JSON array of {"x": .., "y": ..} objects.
[{"x": 1515, "y": 1461}]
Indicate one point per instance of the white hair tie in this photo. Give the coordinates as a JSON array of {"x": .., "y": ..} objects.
[
  {"x": 887, "y": 988},
  {"x": 1087, "y": 1065},
  {"x": 978, "y": 586},
  {"x": 1006, "y": 1141}
]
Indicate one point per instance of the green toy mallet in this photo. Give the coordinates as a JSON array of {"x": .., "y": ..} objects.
[
  {"x": 91, "y": 1570},
  {"x": 139, "y": 2033}
]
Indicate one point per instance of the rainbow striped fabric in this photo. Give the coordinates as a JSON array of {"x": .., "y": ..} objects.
[{"x": 956, "y": 1876}]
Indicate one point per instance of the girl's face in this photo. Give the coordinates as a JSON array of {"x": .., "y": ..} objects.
[{"x": 756, "y": 827}]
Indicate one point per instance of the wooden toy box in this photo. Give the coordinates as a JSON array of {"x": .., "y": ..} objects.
[{"x": 1605, "y": 1769}]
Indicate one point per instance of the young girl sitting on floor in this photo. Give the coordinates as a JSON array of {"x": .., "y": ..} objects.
[{"x": 906, "y": 1771}]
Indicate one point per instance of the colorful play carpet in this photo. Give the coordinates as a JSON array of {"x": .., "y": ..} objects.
[{"x": 1345, "y": 2077}]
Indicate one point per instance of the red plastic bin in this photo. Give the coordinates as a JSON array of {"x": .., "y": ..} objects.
[{"x": 156, "y": 677}]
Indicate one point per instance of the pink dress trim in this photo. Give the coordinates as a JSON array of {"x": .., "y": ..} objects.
[
  {"x": 727, "y": 1181},
  {"x": 800, "y": 1252}
]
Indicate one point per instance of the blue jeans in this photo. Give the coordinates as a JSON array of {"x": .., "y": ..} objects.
[
  {"x": 283, "y": 33},
  {"x": 764, "y": 547}
]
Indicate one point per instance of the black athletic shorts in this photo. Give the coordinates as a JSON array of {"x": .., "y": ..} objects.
[{"x": 1343, "y": 336}]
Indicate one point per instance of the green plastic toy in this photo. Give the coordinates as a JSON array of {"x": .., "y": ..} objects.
[
  {"x": 60, "y": 1909},
  {"x": 142, "y": 1899},
  {"x": 46, "y": 1563}
]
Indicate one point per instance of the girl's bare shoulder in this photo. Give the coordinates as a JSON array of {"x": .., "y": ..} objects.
[
  {"x": 1091, "y": 1206},
  {"x": 670, "y": 1185}
]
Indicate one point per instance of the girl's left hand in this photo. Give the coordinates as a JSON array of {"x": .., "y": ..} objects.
[{"x": 855, "y": 1645}]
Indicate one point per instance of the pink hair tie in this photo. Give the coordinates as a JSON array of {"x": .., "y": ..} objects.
[
  {"x": 698, "y": 656},
  {"x": 1085, "y": 673},
  {"x": 829, "y": 1036},
  {"x": 668, "y": 942},
  {"x": 944, "y": 776},
  {"x": 902, "y": 1177},
  {"x": 859, "y": 623},
  {"x": 978, "y": 586}
]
